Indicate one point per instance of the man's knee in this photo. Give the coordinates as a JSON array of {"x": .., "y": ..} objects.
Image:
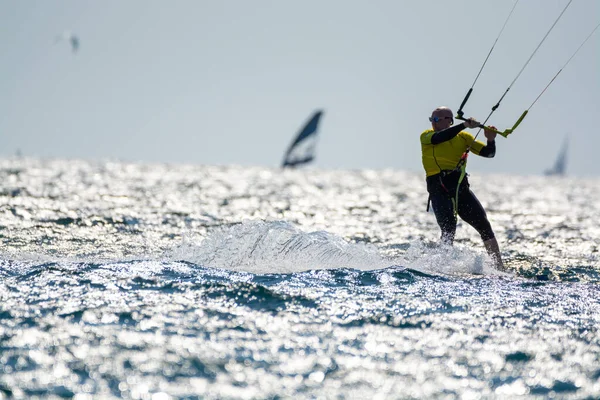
[
  {"x": 487, "y": 234},
  {"x": 484, "y": 228}
]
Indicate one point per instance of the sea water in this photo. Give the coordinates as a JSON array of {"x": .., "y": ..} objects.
[{"x": 157, "y": 281}]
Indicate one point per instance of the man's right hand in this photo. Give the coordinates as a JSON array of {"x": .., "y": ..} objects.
[{"x": 471, "y": 123}]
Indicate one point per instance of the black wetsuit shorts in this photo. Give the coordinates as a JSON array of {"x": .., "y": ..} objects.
[{"x": 442, "y": 191}]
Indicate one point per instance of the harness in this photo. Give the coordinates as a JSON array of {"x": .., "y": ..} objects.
[{"x": 462, "y": 167}]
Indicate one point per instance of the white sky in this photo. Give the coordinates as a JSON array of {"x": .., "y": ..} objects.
[{"x": 232, "y": 81}]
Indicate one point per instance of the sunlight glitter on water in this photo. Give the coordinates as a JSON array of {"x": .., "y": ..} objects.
[{"x": 180, "y": 281}]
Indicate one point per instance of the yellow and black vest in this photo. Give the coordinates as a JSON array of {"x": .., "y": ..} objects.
[{"x": 446, "y": 155}]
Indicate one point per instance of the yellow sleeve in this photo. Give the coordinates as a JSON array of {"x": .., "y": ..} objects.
[
  {"x": 469, "y": 139},
  {"x": 426, "y": 136}
]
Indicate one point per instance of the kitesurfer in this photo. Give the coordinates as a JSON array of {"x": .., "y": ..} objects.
[{"x": 444, "y": 151}]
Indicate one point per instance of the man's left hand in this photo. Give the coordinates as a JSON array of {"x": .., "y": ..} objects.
[{"x": 490, "y": 134}]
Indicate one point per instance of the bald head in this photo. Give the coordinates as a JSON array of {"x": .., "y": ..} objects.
[
  {"x": 441, "y": 118},
  {"x": 442, "y": 112}
]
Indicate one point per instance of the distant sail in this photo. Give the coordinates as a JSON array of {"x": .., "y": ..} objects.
[
  {"x": 560, "y": 166},
  {"x": 71, "y": 38},
  {"x": 302, "y": 149}
]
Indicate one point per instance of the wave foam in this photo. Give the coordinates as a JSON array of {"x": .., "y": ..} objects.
[{"x": 278, "y": 247}]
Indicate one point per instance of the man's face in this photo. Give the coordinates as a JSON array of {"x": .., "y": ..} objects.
[{"x": 441, "y": 119}]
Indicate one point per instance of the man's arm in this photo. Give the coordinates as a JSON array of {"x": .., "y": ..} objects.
[
  {"x": 489, "y": 150},
  {"x": 447, "y": 134}
]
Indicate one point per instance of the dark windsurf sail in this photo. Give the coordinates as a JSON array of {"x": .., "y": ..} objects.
[
  {"x": 560, "y": 166},
  {"x": 302, "y": 149}
]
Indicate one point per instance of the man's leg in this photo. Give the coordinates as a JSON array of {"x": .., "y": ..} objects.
[
  {"x": 473, "y": 213},
  {"x": 444, "y": 215},
  {"x": 491, "y": 246}
]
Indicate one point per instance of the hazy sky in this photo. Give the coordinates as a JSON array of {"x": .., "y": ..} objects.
[{"x": 232, "y": 81}]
